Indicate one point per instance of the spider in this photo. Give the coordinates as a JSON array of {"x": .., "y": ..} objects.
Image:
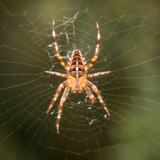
[{"x": 76, "y": 76}]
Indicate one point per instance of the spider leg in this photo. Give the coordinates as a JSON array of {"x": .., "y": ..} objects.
[
  {"x": 98, "y": 95},
  {"x": 63, "y": 99},
  {"x": 89, "y": 93},
  {"x": 56, "y": 47},
  {"x": 57, "y": 74},
  {"x": 97, "y": 74},
  {"x": 97, "y": 48},
  {"x": 62, "y": 85}
]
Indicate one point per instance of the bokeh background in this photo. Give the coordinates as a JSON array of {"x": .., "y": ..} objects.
[{"x": 129, "y": 48}]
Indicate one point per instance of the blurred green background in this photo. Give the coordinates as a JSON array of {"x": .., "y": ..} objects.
[{"x": 129, "y": 48}]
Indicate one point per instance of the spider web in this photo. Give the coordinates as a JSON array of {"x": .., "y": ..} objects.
[{"x": 129, "y": 48}]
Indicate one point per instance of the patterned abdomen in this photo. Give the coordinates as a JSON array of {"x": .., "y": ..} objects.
[{"x": 77, "y": 65}]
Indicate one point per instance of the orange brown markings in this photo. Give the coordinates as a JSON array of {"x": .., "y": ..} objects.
[
  {"x": 76, "y": 56},
  {"x": 65, "y": 76},
  {"x": 89, "y": 93},
  {"x": 59, "y": 57},
  {"x": 94, "y": 88},
  {"x": 83, "y": 59},
  {"x": 64, "y": 96},
  {"x": 54, "y": 39},
  {"x": 71, "y": 67},
  {"x": 82, "y": 80},
  {"x": 72, "y": 64},
  {"x": 97, "y": 74},
  {"x": 88, "y": 76},
  {"x": 98, "y": 41},
  {"x": 48, "y": 110},
  {"x": 97, "y": 48},
  {"x": 72, "y": 80},
  {"x": 58, "y": 119},
  {"x": 97, "y": 93},
  {"x": 57, "y": 74},
  {"x": 61, "y": 60},
  {"x": 57, "y": 52},
  {"x": 62, "y": 85},
  {"x": 82, "y": 67},
  {"x": 92, "y": 100},
  {"x": 60, "y": 107},
  {"x": 58, "y": 91},
  {"x": 56, "y": 48},
  {"x": 52, "y": 103},
  {"x": 94, "y": 60},
  {"x": 103, "y": 104}
]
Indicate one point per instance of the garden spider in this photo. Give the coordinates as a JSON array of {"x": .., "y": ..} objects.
[{"x": 76, "y": 74}]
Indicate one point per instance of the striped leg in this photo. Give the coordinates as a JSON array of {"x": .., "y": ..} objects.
[
  {"x": 57, "y": 74},
  {"x": 97, "y": 48},
  {"x": 98, "y": 94},
  {"x": 56, "y": 47},
  {"x": 62, "y": 85},
  {"x": 89, "y": 93},
  {"x": 97, "y": 74},
  {"x": 63, "y": 99}
]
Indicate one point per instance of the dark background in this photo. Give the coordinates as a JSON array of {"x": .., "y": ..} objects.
[{"x": 129, "y": 48}]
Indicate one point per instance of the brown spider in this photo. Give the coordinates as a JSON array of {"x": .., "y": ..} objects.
[{"x": 76, "y": 74}]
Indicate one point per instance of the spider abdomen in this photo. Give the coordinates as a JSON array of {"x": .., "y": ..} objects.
[{"x": 77, "y": 64}]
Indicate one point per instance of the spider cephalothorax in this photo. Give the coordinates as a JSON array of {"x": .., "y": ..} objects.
[{"x": 77, "y": 77}]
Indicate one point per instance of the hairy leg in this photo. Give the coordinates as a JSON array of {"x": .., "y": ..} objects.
[
  {"x": 97, "y": 48},
  {"x": 98, "y": 95},
  {"x": 56, "y": 47},
  {"x": 89, "y": 93},
  {"x": 57, "y": 74},
  {"x": 97, "y": 74},
  {"x": 62, "y": 85},
  {"x": 63, "y": 99}
]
